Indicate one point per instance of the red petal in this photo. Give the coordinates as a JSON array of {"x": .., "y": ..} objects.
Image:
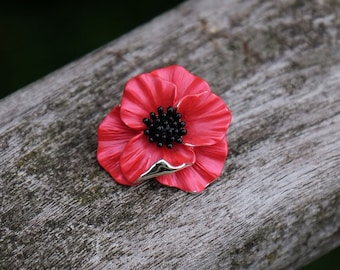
[
  {"x": 113, "y": 135},
  {"x": 186, "y": 82},
  {"x": 207, "y": 118},
  {"x": 209, "y": 164},
  {"x": 179, "y": 154},
  {"x": 139, "y": 155},
  {"x": 144, "y": 94}
]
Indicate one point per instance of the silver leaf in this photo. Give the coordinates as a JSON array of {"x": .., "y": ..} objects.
[{"x": 161, "y": 167}]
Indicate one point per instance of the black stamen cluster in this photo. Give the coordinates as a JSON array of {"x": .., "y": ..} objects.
[{"x": 165, "y": 127}]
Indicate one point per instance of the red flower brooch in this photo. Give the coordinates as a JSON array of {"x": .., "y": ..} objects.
[{"x": 169, "y": 126}]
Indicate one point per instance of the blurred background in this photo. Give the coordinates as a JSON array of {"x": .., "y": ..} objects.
[{"x": 37, "y": 39}]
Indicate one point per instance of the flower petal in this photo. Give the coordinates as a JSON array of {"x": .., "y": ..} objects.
[
  {"x": 186, "y": 82},
  {"x": 179, "y": 154},
  {"x": 139, "y": 155},
  {"x": 208, "y": 166},
  {"x": 113, "y": 135},
  {"x": 144, "y": 94},
  {"x": 207, "y": 118}
]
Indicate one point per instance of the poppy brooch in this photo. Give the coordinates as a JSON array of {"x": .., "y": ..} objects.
[{"x": 169, "y": 127}]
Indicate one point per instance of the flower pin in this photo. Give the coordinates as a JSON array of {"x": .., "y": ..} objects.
[{"x": 170, "y": 127}]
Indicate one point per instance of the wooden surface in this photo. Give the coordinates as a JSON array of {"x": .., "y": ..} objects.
[{"x": 276, "y": 205}]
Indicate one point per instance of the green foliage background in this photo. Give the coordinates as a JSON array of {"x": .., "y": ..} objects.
[{"x": 39, "y": 38}]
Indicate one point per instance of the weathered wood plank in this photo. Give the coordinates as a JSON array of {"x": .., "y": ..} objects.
[{"x": 275, "y": 63}]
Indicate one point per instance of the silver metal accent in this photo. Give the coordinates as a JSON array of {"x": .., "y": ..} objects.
[{"x": 161, "y": 167}]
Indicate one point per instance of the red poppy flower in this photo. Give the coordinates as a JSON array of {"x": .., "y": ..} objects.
[{"x": 169, "y": 126}]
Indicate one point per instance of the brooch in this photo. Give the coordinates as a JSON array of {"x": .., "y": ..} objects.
[{"x": 169, "y": 126}]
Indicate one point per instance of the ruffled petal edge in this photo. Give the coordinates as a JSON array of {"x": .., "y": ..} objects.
[
  {"x": 186, "y": 82},
  {"x": 113, "y": 135},
  {"x": 207, "y": 118},
  {"x": 144, "y": 94},
  {"x": 207, "y": 168}
]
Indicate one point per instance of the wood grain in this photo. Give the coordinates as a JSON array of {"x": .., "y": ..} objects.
[{"x": 276, "y": 205}]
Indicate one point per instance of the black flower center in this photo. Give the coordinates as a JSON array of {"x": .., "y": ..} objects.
[{"x": 165, "y": 127}]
